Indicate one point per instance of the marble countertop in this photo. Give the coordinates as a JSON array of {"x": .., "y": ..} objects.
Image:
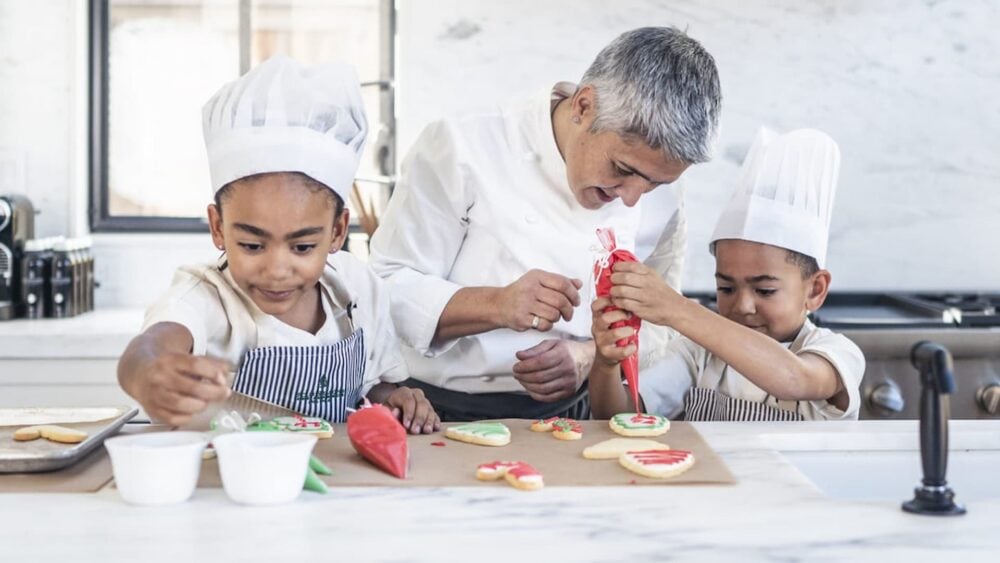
[
  {"x": 102, "y": 333},
  {"x": 773, "y": 513}
]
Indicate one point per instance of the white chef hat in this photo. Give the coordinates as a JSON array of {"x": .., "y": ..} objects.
[
  {"x": 284, "y": 117},
  {"x": 784, "y": 196}
]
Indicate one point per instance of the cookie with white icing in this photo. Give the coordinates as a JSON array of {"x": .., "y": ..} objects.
[
  {"x": 519, "y": 474},
  {"x": 658, "y": 464},
  {"x": 613, "y": 448},
  {"x": 481, "y": 433},
  {"x": 631, "y": 424},
  {"x": 294, "y": 423}
]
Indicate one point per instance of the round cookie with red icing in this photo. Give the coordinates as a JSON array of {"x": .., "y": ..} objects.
[
  {"x": 518, "y": 473},
  {"x": 658, "y": 464},
  {"x": 561, "y": 428},
  {"x": 633, "y": 424}
]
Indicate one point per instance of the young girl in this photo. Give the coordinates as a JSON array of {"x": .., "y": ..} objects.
[
  {"x": 759, "y": 358},
  {"x": 307, "y": 326}
]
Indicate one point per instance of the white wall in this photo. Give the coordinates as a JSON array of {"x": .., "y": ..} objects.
[{"x": 908, "y": 88}]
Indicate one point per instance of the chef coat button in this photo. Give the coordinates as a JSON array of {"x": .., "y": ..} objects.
[{"x": 532, "y": 156}]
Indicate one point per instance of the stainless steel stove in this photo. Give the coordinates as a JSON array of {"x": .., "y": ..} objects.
[{"x": 887, "y": 325}]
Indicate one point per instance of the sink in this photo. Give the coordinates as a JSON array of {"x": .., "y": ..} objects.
[
  {"x": 892, "y": 475},
  {"x": 885, "y": 465}
]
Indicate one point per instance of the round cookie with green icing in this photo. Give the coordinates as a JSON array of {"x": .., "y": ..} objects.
[
  {"x": 295, "y": 423},
  {"x": 634, "y": 424},
  {"x": 481, "y": 433}
]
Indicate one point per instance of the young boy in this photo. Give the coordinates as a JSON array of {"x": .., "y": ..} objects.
[
  {"x": 308, "y": 327},
  {"x": 759, "y": 358}
]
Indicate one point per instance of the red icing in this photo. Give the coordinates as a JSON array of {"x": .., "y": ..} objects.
[
  {"x": 568, "y": 425},
  {"x": 649, "y": 419},
  {"x": 301, "y": 422},
  {"x": 380, "y": 439},
  {"x": 438, "y": 444},
  {"x": 630, "y": 365},
  {"x": 659, "y": 457},
  {"x": 518, "y": 469}
]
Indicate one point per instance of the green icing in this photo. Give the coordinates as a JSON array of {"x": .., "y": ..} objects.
[
  {"x": 314, "y": 483},
  {"x": 484, "y": 429}
]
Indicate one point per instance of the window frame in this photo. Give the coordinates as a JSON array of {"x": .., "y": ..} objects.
[{"x": 101, "y": 221}]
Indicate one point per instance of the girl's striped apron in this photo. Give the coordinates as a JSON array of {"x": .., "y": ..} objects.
[{"x": 321, "y": 381}]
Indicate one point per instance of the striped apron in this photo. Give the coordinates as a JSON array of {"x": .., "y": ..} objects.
[
  {"x": 321, "y": 381},
  {"x": 707, "y": 404}
]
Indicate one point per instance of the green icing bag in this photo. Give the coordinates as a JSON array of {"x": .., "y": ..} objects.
[
  {"x": 318, "y": 466},
  {"x": 314, "y": 483}
]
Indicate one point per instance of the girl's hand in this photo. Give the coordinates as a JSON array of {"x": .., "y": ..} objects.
[
  {"x": 607, "y": 351},
  {"x": 639, "y": 289},
  {"x": 413, "y": 410}
]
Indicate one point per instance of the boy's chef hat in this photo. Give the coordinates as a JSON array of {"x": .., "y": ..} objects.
[
  {"x": 284, "y": 117},
  {"x": 784, "y": 196}
]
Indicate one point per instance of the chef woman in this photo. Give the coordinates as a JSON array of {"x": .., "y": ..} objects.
[{"x": 488, "y": 240}]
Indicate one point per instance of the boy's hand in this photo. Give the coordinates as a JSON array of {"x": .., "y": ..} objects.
[
  {"x": 413, "y": 410},
  {"x": 606, "y": 338},
  {"x": 177, "y": 386},
  {"x": 640, "y": 289}
]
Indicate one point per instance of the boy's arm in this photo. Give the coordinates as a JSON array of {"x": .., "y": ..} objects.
[
  {"x": 158, "y": 370},
  {"x": 607, "y": 394},
  {"x": 414, "y": 411},
  {"x": 760, "y": 358}
]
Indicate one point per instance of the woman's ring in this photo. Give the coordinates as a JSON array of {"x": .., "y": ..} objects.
[{"x": 534, "y": 321}]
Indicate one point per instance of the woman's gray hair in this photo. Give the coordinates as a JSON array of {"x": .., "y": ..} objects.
[{"x": 658, "y": 84}]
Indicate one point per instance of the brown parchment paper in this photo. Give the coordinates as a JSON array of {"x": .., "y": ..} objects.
[{"x": 453, "y": 464}]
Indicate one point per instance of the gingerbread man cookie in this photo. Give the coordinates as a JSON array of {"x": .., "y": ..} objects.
[
  {"x": 658, "y": 464},
  {"x": 561, "y": 428},
  {"x": 633, "y": 424},
  {"x": 519, "y": 474}
]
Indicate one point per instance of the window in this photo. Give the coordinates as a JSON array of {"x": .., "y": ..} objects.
[{"x": 154, "y": 63}]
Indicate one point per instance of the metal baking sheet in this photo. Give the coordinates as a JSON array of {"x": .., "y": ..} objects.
[{"x": 45, "y": 455}]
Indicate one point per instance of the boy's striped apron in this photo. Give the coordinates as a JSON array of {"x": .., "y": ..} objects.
[
  {"x": 704, "y": 403},
  {"x": 320, "y": 381}
]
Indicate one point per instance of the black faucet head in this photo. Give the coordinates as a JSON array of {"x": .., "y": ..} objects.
[{"x": 935, "y": 365}]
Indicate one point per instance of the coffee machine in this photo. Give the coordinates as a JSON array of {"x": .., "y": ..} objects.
[{"x": 17, "y": 225}]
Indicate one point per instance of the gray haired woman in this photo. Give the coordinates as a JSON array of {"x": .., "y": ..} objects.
[{"x": 487, "y": 242}]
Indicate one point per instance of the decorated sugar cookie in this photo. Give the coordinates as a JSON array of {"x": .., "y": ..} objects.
[
  {"x": 613, "y": 448},
  {"x": 561, "y": 428},
  {"x": 519, "y": 474},
  {"x": 658, "y": 464},
  {"x": 481, "y": 433},
  {"x": 633, "y": 424},
  {"x": 295, "y": 423}
]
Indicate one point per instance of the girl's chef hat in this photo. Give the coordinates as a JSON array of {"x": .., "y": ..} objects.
[
  {"x": 284, "y": 117},
  {"x": 784, "y": 196}
]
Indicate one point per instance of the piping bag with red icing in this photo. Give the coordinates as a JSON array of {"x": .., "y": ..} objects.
[
  {"x": 608, "y": 257},
  {"x": 379, "y": 438}
]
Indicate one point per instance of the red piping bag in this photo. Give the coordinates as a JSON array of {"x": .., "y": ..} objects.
[
  {"x": 602, "y": 285},
  {"x": 379, "y": 438}
]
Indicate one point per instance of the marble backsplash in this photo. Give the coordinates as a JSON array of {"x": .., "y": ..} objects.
[{"x": 908, "y": 89}]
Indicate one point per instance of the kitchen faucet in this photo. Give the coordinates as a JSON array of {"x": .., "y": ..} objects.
[{"x": 934, "y": 496}]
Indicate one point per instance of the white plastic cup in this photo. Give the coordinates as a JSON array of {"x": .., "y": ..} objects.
[
  {"x": 156, "y": 468},
  {"x": 262, "y": 468}
]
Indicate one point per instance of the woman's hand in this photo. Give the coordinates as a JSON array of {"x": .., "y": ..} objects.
[
  {"x": 540, "y": 294},
  {"x": 413, "y": 410},
  {"x": 553, "y": 369},
  {"x": 639, "y": 289}
]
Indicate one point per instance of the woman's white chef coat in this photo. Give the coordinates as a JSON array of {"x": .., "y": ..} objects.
[
  {"x": 482, "y": 200},
  {"x": 684, "y": 363},
  {"x": 225, "y": 323}
]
